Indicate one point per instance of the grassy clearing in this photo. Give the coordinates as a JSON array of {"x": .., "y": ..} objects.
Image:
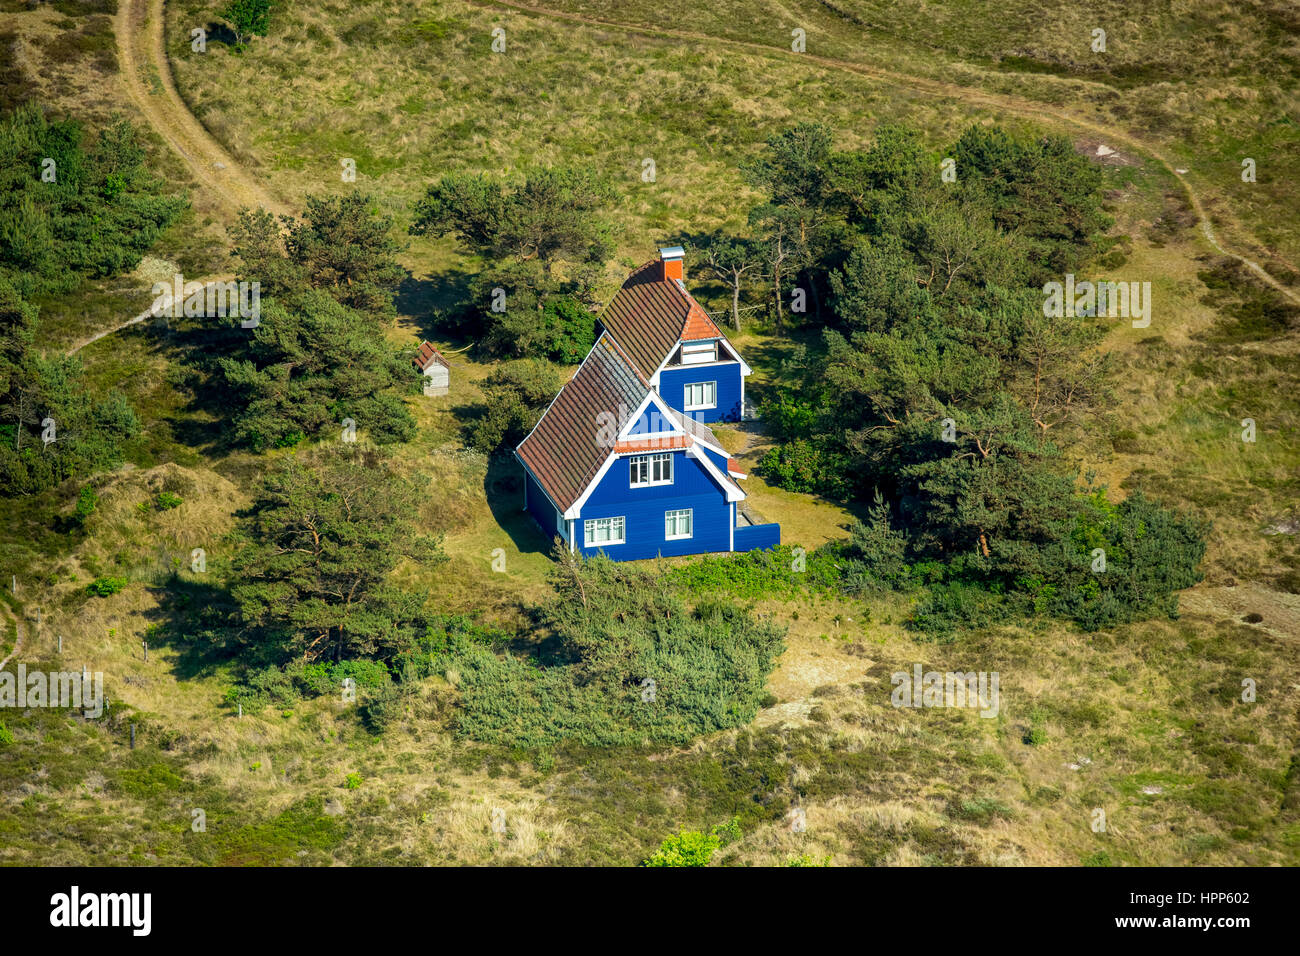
[
  {"x": 348, "y": 79},
  {"x": 1146, "y": 722},
  {"x": 1207, "y": 83},
  {"x": 1124, "y": 726}
]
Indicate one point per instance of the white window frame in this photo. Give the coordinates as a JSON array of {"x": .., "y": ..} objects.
[
  {"x": 675, "y": 516},
  {"x": 699, "y": 354},
  {"x": 591, "y": 526},
  {"x": 705, "y": 387},
  {"x": 660, "y": 462}
]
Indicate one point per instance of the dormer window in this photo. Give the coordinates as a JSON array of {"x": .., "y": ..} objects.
[{"x": 698, "y": 353}]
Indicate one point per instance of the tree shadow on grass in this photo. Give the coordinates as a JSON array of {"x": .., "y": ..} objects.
[
  {"x": 435, "y": 302},
  {"x": 195, "y": 618},
  {"x": 220, "y": 33},
  {"x": 194, "y": 348}
]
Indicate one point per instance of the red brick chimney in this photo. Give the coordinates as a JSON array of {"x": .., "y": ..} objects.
[{"x": 673, "y": 258}]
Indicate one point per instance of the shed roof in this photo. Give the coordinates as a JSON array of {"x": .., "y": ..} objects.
[{"x": 429, "y": 355}]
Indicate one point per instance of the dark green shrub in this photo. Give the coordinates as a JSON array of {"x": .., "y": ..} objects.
[
  {"x": 515, "y": 395},
  {"x": 802, "y": 465},
  {"x": 86, "y": 502},
  {"x": 956, "y": 606},
  {"x": 637, "y": 666}
]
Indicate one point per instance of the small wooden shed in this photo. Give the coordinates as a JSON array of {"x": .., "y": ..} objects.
[{"x": 434, "y": 368}]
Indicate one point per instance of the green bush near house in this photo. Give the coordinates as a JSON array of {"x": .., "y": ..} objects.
[{"x": 637, "y": 666}]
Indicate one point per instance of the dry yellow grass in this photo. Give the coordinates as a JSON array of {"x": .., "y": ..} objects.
[{"x": 879, "y": 784}]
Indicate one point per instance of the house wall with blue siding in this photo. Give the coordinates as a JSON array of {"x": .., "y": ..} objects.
[
  {"x": 717, "y": 459},
  {"x": 540, "y": 507},
  {"x": 643, "y": 509},
  {"x": 651, "y": 421},
  {"x": 673, "y": 381},
  {"x": 757, "y": 536}
]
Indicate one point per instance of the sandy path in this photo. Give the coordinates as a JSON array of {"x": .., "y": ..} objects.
[
  {"x": 143, "y": 316},
  {"x": 147, "y": 78}
]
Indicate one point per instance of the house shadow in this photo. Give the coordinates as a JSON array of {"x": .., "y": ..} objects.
[{"x": 504, "y": 488}]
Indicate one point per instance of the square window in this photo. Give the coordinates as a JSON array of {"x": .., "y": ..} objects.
[
  {"x": 701, "y": 395},
  {"x": 678, "y": 524},
  {"x": 651, "y": 469}
]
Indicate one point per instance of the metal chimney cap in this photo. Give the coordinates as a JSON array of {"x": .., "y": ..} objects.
[{"x": 672, "y": 252}]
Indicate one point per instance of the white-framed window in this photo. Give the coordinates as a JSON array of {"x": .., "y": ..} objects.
[
  {"x": 697, "y": 353},
  {"x": 701, "y": 395},
  {"x": 598, "y": 531},
  {"x": 651, "y": 469},
  {"x": 678, "y": 524}
]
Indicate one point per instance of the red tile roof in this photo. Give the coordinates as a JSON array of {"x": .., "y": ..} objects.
[
  {"x": 429, "y": 355},
  {"x": 650, "y": 314},
  {"x": 643, "y": 323},
  {"x": 565, "y": 450},
  {"x": 699, "y": 326}
]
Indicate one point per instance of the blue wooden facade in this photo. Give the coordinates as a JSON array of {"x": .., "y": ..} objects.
[
  {"x": 728, "y": 387},
  {"x": 623, "y": 462},
  {"x": 644, "y": 511},
  {"x": 548, "y": 517}
]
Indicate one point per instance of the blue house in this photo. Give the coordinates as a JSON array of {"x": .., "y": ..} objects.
[{"x": 623, "y": 462}]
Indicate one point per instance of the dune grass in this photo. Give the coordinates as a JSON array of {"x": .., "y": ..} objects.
[{"x": 1146, "y": 722}]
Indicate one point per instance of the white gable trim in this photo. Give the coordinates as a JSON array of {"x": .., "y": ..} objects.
[
  {"x": 652, "y": 397},
  {"x": 699, "y": 439},
  {"x": 666, "y": 415},
  {"x": 710, "y": 445},
  {"x": 729, "y": 488},
  {"x": 575, "y": 509},
  {"x": 744, "y": 366}
]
